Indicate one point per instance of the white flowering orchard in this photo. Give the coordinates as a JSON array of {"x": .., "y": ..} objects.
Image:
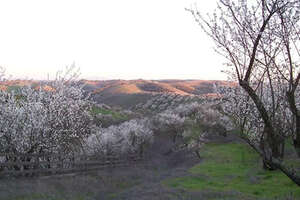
[
  {"x": 128, "y": 137},
  {"x": 52, "y": 118}
]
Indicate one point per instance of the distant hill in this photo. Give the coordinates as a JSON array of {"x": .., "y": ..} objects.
[
  {"x": 127, "y": 93},
  {"x": 183, "y": 87},
  {"x": 9, "y": 85}
]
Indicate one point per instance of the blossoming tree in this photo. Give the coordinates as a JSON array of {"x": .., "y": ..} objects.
[
  {"x": 260, "y": 40},
  {"x": 128, "y": 137},
  {"x": 51, "y": 118}
]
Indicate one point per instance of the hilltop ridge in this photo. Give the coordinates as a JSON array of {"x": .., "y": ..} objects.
[
  {"x": 182, "y": 87},
  {"x": 128, "y": 93}
]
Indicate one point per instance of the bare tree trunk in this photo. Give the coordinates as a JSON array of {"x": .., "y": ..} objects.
[
  {"x": 289, "y": 172},
  {"x": 291, "y": 99},
  {"x": 270, "y": 138},
  {"x": 296, "y": 140},
  {"x": 275, "y": 163},
  {"x": 271, "y": 148},
  {"x": 198, "y": 153}
]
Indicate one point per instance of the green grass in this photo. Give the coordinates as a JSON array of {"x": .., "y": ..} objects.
[
  {"x": 235, "y": 168},
  {"x": 116, "y": 115},
  {"x": 13, "y": 88}
]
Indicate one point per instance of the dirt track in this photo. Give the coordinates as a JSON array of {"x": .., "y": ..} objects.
[{"x": 140, "y": 182}]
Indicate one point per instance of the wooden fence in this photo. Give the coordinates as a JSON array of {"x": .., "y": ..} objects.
[{"x": 49, "y": 164}]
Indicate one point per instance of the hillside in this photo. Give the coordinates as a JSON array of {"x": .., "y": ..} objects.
[
  {"x": 128, "y": 93},
  {"x": 183, "y": 87}
]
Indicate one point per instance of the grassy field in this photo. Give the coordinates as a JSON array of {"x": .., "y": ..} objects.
[{"x": 235, "y": 169}]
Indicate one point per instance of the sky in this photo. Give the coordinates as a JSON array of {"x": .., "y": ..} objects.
[{"x": 107, "y": 39}]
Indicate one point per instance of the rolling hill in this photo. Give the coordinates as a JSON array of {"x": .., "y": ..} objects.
[
  {"x": 128, "y": 93},
  {"x": 182, "y": 87}
]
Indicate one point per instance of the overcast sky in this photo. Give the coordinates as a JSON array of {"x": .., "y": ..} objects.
[{"x": 107, "y": 39}]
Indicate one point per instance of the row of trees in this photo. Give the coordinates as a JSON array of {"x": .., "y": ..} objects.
[
  {"x": 55, "y": 118},
  {"x": 190, "y": 124},
  {"x": 51, "y": 118},
  {"x": 260, "y": 40},
  {"x": 186, "y": 125}
]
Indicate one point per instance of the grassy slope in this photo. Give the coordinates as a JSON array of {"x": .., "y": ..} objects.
[
  {"x": 236, "y": 169},
  {"x": 114, "y": 114}
]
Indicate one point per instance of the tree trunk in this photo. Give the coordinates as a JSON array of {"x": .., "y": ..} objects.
[
  {"x": 271, "y": 147},
  {"x": 277, "y": 146},
  {"x": 288, "y": 172},
  {"x": 198, "y": 153},
  {"x": 291, "y": 99},
  {"x": 267, "y": 166},
  {"x": 296, "y": 141},
  {"x": 274, "y": 163}
]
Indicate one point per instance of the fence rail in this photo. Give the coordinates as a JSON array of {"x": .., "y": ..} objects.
[{"x": 47, "y": 164}]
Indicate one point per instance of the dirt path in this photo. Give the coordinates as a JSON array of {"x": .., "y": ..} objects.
[{"x": 142, "y": 182}]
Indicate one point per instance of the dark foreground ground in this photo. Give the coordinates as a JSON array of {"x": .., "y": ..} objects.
[{"x": 227, "y": 170}]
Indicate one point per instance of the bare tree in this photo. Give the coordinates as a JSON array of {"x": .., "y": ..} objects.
[{"x": 260, "y": 41}]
